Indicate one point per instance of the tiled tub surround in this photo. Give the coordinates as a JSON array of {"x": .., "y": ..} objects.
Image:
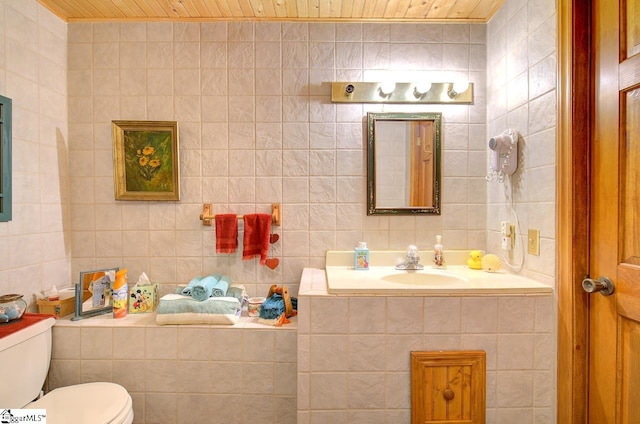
[
  {"x": 184, "y": 374},
  {"x": 353, "y": 352}
]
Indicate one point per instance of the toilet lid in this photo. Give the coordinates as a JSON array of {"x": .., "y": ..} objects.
[{"x": 89, "y": 403}]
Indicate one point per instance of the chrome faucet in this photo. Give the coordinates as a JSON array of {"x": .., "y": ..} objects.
[{"x": 412, "y": 260}]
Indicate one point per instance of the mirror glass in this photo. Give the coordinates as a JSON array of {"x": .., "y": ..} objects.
[
  {"x": 93, "y": 293},
  {"x": 403, "y": 163}
]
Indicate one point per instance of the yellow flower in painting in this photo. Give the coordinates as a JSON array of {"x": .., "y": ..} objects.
[{"x": 148, "y": 161}]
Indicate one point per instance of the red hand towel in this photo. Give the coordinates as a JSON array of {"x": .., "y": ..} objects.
[
  {"x": 226, "y": 233},
  {"x": 257, "y": 230}
]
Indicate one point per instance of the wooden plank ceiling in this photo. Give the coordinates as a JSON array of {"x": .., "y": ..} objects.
[{"x": 287, "y": 10}]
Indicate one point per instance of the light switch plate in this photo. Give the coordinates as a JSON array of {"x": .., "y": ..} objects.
[{"x": 533, "y": 242}]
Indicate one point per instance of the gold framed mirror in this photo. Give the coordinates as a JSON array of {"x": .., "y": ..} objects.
[{"x": 403, "y": 163}]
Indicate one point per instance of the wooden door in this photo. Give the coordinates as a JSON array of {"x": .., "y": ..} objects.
[
  {"x": 614, "y": 321},
  {"x": 421, "y": 164}
]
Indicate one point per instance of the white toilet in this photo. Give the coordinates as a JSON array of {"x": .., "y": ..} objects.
[{"x": 25, "y": 356}]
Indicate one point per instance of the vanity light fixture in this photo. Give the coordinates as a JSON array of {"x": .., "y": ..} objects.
[
  {"x": 402, "y": 92},
  {"x": 458, "y": 88},
  {"x": 421, "y": 88}
]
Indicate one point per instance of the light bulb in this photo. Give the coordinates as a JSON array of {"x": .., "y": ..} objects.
[
  {"x": 387, "y": 87},
  {"x": 421, "y": 88},
  {"x": 458, "y": 88}
]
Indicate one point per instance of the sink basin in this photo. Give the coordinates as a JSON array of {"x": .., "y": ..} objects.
[{"x": 422, "y": 277}]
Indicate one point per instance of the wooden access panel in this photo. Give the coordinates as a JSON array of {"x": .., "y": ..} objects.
[{"x": 448, "y": 387}]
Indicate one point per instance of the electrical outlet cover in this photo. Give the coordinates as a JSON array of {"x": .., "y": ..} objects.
[
  {"x": 506, "y": 243},
  {"x": 533, "y": 242}
]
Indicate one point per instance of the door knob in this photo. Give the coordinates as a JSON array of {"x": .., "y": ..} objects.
[{"x": 603, "y": 285}]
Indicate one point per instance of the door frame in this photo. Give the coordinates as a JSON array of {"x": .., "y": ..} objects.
[{"x": 574, "y": 126}]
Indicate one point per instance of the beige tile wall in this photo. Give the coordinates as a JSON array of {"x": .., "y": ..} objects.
[
  {"x": 302, "y": 156},
  {"x": 353, "y": 354},
  {"x": 249, "y": 139},
  {"x": 35, "y": 249},
  {"x": 257, "y": 126},
  {"x": 521, "y": 94},
  {"x": 175, "y": 374}
]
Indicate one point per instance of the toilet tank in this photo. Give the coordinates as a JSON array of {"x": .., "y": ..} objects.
[{"x": 24, "y": 362}]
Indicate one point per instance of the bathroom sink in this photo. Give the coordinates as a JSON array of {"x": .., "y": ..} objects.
[
  {"x": 424, "y": 277},
  {"x": 383, "y": 278}
]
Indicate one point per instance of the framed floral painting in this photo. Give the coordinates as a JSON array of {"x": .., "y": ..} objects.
[{"x": 146, "y": 163}]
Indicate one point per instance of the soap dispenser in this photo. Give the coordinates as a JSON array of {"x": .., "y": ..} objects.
[{"x": 438, "y": 254}]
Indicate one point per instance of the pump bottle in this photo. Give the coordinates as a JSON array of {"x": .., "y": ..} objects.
[
  {"x": 361, "y": 260},
  {"x": 438, "y": 254}
]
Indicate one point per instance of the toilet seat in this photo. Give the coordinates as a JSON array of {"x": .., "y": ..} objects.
[{"x": 89, "y": 403}]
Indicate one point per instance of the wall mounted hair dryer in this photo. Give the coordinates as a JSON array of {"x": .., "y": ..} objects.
[{"x": 503, "y": 155}]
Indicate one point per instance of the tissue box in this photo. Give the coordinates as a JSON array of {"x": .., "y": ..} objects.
[{"x": 143, "y": 298}]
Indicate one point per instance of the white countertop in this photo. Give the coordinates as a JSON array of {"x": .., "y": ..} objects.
[
  {"x": 149, "y": 320},
  {"x": 340, "y": 278}
]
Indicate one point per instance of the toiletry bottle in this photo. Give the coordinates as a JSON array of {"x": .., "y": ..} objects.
[
  {"x": 438, "y": 253},
  {"x": 361, "y": 256},
  {"x": 120, "y": 294}
]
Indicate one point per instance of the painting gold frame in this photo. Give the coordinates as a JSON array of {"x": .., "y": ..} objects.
[{"x": 145, "y": 160}]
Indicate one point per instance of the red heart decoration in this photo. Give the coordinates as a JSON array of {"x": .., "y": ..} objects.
[
  {"x": 272, "y": 263},
  {"x": 274, "y": 238}
]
